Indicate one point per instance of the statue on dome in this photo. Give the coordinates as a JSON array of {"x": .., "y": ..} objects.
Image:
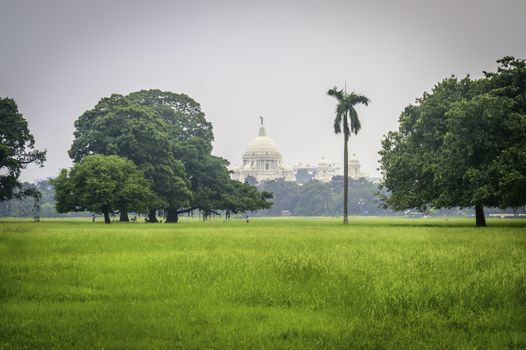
[{"x": 261, "y": 120}]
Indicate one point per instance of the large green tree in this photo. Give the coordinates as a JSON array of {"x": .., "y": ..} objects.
[
  {"x": 192, "y": 136},
  {"x": 463, "y": 145},
  {"x": 17, "y": 149},
  {"x": 102, "y": 184},
  {"x": 346, "y": 122},
  {"x": 120, "y": 126},
  {"x": 168, "y": 137}
]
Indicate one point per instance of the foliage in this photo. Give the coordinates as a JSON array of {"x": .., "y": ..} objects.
[
  {"x": 273, "y": 284},
  {"x": 102, "y": 184},
  {"x": 347, "y": 121},
  {"x": 191, "y": 136},
  {"x": 17, "y": 148},
  {"x": 243, "y": 197},
  {"x": 316, "y": 198},
  {"x": 461, "y": 145},
  {"x": 180, "y": 112},
  {"x": 119, "y": 126},
  {"x": 22, "y": 206}
]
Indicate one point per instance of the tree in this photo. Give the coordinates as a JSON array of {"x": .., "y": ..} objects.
[
  {"x": 242, "y": 197},
  {"x": 316, "y": 199},
  {"x": 346, "y": 121},
  {"x": 17, "y": 149},
  {"x": 461, "y": 145},
  {"x": 192, "y": 136},
  {"x": 286, "y": 195},
  {"x": 102, "y": 184},
  {"x": 119, "y": 126}
]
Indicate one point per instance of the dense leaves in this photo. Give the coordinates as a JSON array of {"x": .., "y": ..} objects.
[
  {"x": 119, "y": 126},
  {"x": 102, "y": 184},
  {"x": 181, "y": 113},
  {"x": 463, "y": 144},
  {"x": 316, "y": 198},
  {"x": 167, "y": 136},
  {"x": 17, "y": 148}
]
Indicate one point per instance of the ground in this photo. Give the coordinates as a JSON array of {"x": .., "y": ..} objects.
[{"x": 271, "y": 283}]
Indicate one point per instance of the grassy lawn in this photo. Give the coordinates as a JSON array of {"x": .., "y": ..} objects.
[{"x": 272, "y": 283}]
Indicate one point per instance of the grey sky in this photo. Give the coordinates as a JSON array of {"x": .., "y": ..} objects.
[{"x": 241, "y": 59}]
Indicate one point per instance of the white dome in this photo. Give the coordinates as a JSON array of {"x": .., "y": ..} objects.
[
  {"x": 263, "y": 161},
  {"x": 262, "y": 144}
]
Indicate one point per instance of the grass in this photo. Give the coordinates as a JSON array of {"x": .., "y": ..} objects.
[{"x": 272, "y": 283}]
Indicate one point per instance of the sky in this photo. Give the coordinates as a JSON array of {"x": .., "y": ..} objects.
[{"x": 243, "y": 59}]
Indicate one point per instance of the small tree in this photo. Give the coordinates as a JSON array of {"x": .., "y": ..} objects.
[
  {"x": 242, "y": 197},
  {"x": 102, "y": 184}
]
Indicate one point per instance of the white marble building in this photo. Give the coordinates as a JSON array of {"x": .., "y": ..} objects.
[
  {"x": 354, "y": 167},
  {"x": 263, "y": 161},
  {"x": 324, "y": 171}
]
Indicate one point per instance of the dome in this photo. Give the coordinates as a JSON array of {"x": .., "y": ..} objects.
[
  {"x": 262, "y": 144},
  {"x": 263, "y": 161}
]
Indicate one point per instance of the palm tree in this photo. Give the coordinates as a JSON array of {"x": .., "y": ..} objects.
[{"x": 346, "y": 120}]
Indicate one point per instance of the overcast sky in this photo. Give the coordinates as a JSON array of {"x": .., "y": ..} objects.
[{"x": 242, "y": 59}]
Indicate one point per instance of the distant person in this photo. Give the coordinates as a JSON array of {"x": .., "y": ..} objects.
[
  {"x": 248, "y": 219},
  {"x": 93, "y": 218}
]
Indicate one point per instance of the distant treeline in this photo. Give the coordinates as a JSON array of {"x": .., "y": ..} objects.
[
  {"x": 24, "y": 207},
  {"x": 316, "y": 198},
  {"x": 313, "y": 198}
]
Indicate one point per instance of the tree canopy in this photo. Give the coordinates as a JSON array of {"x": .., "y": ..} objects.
[
  {"x": 17, "y": 149},
  {"x": 119, "y": 126},
  {"x": 167, "y": 136},
  {"x": 180, "y": 112},
  {"x": 102, "y": 184},
  {"x": 463, "y": 144}
]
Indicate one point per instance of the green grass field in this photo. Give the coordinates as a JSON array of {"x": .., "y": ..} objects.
[{"x": 269, "y": 284}]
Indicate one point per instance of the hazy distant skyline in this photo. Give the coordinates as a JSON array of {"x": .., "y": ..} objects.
[{"x": 242, "y": 59}]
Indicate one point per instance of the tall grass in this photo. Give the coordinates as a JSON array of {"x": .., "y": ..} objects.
[{"x": 290, "y": 283}]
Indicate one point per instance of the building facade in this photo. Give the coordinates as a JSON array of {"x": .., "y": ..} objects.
[{"x": 263, "y": 161}]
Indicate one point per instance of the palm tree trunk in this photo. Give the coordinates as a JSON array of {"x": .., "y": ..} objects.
[{"x": 345, "y": 180}]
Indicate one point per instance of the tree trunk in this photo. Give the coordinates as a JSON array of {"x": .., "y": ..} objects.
[
  {"x": 152, "y": 217},
  {"x": 172, "y": 216},
  {"x": 106, "y": 212},
  {"x": 345, "y": 180},
  {"x": 479, "y": 216},
  {"x": 124, "y": 214}
]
